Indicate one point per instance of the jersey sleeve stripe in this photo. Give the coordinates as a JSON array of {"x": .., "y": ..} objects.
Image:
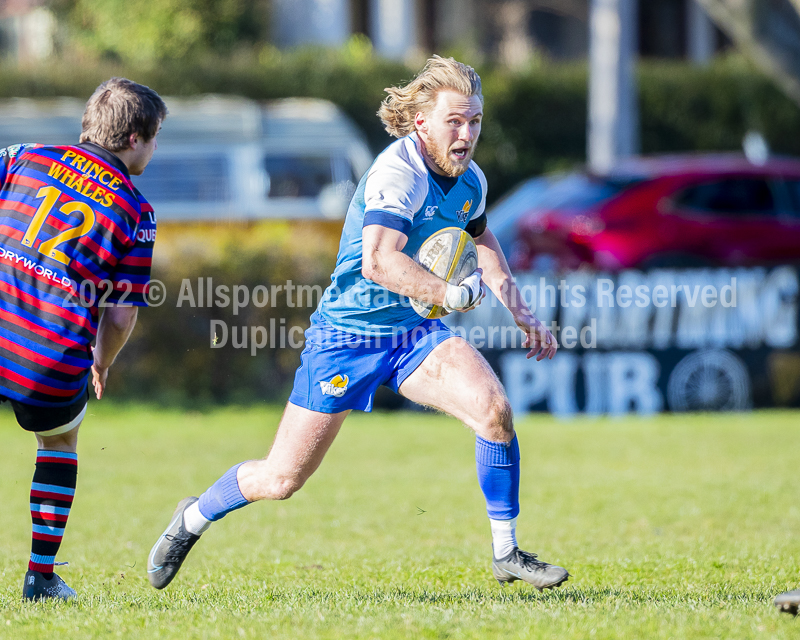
[
  {"x": 133, "y": 261},
  {"x": 102, "y": 253},
  {"x": 388, "y": 219}
]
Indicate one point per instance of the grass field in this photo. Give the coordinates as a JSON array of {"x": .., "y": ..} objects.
[{"x": 673, "y": 527}]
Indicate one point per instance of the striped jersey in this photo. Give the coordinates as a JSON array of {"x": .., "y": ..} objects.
[{"x": 75, "y": 235}]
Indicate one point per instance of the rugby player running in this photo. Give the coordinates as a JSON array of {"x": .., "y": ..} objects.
[
  {"x": 365, "y": 333},
  {"x": 75, "y": 236}
]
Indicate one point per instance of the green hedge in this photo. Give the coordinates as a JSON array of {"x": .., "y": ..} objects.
[{"x": 171, "y": 358}]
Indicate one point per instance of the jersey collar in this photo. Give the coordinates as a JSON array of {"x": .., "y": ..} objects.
[{"x": 106, "y": 155}]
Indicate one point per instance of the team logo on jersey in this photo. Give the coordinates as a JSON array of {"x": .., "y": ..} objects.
[
  {"x": 464, "y": 213},
  {"x": 429, "y": 213},
  {"x": 11, "y": 151},
  {"x": 336, "y": 387}
]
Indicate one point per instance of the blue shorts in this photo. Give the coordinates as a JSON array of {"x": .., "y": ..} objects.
[{"x": 340, "y": 371}]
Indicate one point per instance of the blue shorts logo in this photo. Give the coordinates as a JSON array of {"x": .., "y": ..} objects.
[{"x": 336, "y": 387}]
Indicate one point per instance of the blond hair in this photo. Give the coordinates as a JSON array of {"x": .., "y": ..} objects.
[
  {"x": 401, "y": 106},
  {"x": 118, "y": 108}
]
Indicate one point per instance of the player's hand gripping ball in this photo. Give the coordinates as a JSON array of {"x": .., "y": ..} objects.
[{"x": 452, "y": 255}]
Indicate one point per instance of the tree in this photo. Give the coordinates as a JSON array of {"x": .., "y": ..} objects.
[{"x": 143, "y": 31}]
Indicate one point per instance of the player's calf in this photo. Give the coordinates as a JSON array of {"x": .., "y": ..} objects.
[{"x": 52, "y": 491}]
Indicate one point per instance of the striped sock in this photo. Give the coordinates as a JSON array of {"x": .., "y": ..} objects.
[{"x": 52, "y": 491}]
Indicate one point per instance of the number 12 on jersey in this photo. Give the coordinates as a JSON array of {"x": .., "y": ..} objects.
[{"x": 48, "y": 247}]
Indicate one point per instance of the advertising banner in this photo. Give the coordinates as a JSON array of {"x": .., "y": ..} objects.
[{"x": 643, "y": 342}]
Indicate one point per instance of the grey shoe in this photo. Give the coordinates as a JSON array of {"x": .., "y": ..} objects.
[
  {"x": 788, "y": 602},
  {"x": 37, "y": 587},
  {"x": 521, "y": 565},
  {"x": 171, "y": 549}
]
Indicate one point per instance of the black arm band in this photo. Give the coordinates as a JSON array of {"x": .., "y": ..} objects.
[{"x": 477, "y": 226}]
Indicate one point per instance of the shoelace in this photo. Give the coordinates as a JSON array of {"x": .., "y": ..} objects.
[
  {"x": 529, "y": 561},
  {"x": 180, "y": 546}
]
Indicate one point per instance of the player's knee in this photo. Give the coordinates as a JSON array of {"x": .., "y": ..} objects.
[
  {"x": 67, "y": 442},
  {"x": 499, "y": 423},
  {"x": 282, "y": 488}
]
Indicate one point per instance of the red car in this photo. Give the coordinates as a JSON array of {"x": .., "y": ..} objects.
[{"x": 715, "y": 210}]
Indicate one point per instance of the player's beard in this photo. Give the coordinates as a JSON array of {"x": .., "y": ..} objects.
[{"x": 443, "y": 161}]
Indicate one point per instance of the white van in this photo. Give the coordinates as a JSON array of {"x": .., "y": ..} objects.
[{"x": 226, "y": 158}]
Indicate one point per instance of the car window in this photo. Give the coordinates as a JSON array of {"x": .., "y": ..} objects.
[
  {"x": 305, "y": 176},
  {"x": 729, "y": 196},
  {"x": 293, "y": 176},
  {"x": 579, "y": 192},
  {"x": 192, "y": 178},
  {"x": 793, "y": 188}
]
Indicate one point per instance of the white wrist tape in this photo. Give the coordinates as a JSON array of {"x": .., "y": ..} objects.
[{"x": 464, "y": 295}]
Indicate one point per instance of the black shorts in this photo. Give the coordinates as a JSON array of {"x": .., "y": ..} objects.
[{"x": 33, "y": 418}]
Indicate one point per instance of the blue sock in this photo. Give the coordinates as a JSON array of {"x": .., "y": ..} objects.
[
  {"x": 222, "y": 497},
  {"x": 498, "y": 475}
]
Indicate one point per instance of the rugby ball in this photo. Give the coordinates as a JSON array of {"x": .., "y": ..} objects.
[{"x": 450, "y": 254}]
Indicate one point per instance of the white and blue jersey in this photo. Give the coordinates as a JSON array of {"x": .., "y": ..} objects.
[
  {"x": 398, "y": 192},
  {"x": 363, "y": 335}
]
